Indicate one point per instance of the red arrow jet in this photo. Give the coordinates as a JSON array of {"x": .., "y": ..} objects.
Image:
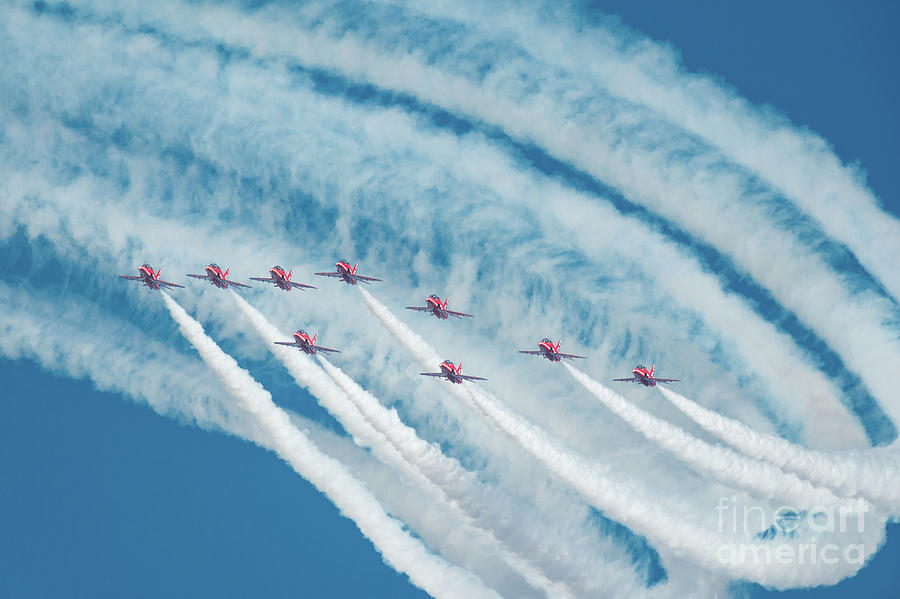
[
  {"x": 150, "y": 278},
  {"x": 303, "y": 341},
  {"x": 218, "y": 278},
  {"x": 433, "y": 304},
  {"x": 451, "y": 373},
  {"x": 347, "y": 274},
  {"x": 645, "y": 377},
  {"x": 278, "y": 277},
  {"x": 546, "y": 349}
]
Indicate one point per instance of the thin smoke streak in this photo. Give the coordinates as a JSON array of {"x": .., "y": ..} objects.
[
  {"x": 399, "y": 549},
  {"x": 677, "y": 531},
  {"x": 335, "y": 398},
  {"x": 728, "y": 466},
  {"x": 874, "y": 474},
  {"x": 835, "y": 414},
  {"x": 645, "y": 174}
]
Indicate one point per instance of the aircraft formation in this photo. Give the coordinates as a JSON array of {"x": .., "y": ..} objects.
[{"x": 343, "y": 271}]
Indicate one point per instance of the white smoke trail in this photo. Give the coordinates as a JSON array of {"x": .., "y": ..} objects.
[
  {"x": 432, "y": 364},
  {"x": 814, "y": 301},
  {"x": 798, "y": 162},
  {"x": 719, "y": 309},
  {"x": 417, "y": 347},
  {"x": 71, "y": 346},
  {"x": 458, "y": 486},
  {"x": 620, "y": 501},
  {"x": 629, "y": 507},
  {"x": 361, "y": 419},
  {"x": 644, "y": 172},
  {"x": 179, "y": 240},
  {"x": 795, "y": 160},
  {"x": 761, "y": 479},
  {"x": 399, "y": 549},
  {"x": 874, "y": 473},
  {"x": 683, "y": 579},
  {"x": 186, "y": 390}
]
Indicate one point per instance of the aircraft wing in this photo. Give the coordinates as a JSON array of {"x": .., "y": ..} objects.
[
  {"x": 471, "y": 378},
  {"x": 633, "y": 379},
  {"x": 365, "y": 279},
  {"x": 418, "y": 308},
  {"x": 236, "y": 284},
  {"x": 570, "y": 356},
  {"x": 288, "y": 343},
  {"x": 326, "y": 349},
  {"x": 531, "y": 352},
  {"x": 457, "y": 314},
  {"x": 432, "y": 374},
  {"x": 267, "y": 280},
  {"x": 328, "y": 274},
  {"x": 130, "y": 278},
  {"x": 168, "y": 284},
  {"x": 206, "y": 277},
  {"x": 300, "y": 285},
  {"x": 666, "y": 380}
]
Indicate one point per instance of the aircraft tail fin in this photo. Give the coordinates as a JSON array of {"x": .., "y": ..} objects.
[
  {"x": 459, "y": 368},
  {"x": 158, "y": 272},
  {"x": 226, "y": 272},
  {"x": 445, "y": 302},
  {"x": 289, "y": 274},
  {"x": 651, "y": 369},
  {"x": 558, "y": 341},
  {"x": 354, "y": 268},
  {"x": 314, "y": 338}
]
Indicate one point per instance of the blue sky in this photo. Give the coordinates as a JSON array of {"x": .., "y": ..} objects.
[{"x": 104, "y": 497}]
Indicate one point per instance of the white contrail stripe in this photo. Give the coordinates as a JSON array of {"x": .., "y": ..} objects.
[
  {"x": 728, "y": 466},
  {"x": 458, "y": 487},
  {"x": 184, "y": 389},
  {"x": 797, "y": 161},
  {"x": 399, "y": 549},
  {"x": 873, "y": 473},
  {"x": 646, "y": 174},
  {"x": 619, "y": 501},
  {"x": 179, "y": 241},
  {"x": 333, "y": 391},
  {"x": 213, "y": 138}
]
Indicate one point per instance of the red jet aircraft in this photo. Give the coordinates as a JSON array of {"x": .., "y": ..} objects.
[
  {"x": 150, "y": 278},
  {"x": 549, "y": 351},
  {"x": 645, "y": 377},
  {"x": 278, "y": 277},
  {"x": 347, "y": 274},
  {"x": 433, "y": 304},
  {"x": 303, "y": 341},
  {"x": 451, "y": 373},
  {"x": 218, "y": 278}
]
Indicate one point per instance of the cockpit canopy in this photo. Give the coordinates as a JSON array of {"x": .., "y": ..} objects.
[
  {"x": 434, "y": 297},
  {"x": 147, "y": 266},
  {"x": 276, "y": 267},
  {"x": 448, "y": 362},
  {"x": 641, "y": 367},
  {"x": 214, "y": 265},
  {"x": 302, "y": 332},
  {"x": 344, "y": 260},
  {"x": 545, "y": 340}
]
